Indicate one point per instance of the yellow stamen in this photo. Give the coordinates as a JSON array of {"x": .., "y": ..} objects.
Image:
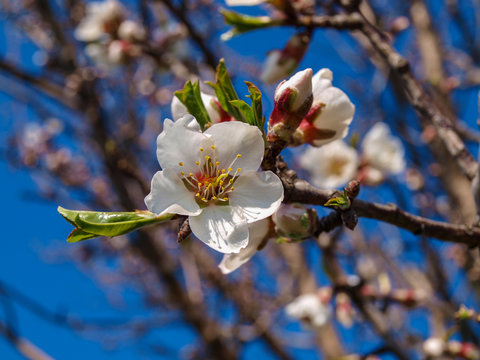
[
  {"x": 223, "y": 171},
  {"x": 197, "y": 194},
  {"x": 191, "y": 174},
  {"x": 180, "y": 163},
  {"x": 182, "y": 173},
  {"x": 201, "y": 149},
  {"x": 239, "y": 156},
  {"x": 217, "y": 163},
  {"x": 214, "y": 198},
  {"x": 225, "y": 198},
  {"x": 232, "y": 188},
  {"x": 213, "y": 147},
  {"x": 196, "y": 162},
  {"x": 207, "y": 157}
]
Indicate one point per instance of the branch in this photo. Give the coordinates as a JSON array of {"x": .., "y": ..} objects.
[
  {"x": 297, "y": 190},
  {"x": 23, "y": 346},
  {"x": 415, "y": 93}
]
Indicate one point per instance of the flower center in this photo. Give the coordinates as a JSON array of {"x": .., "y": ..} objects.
[{"x": 209, "y": 182}]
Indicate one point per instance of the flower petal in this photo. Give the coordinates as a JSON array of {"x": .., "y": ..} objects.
[
  {"x": 169, "y": 195},
  {"x": 235, "y": 137},
  {"x": 179, "y": 144},
  {"x": 258, "y": 195},
  {"x": 223, "y": 228},
  {"x": 257, "y": 232},
  {"x": 321, "y": 81},
  {"x": 336, "y": 115}
]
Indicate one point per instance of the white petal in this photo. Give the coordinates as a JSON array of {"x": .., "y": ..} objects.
[
  {"x": 223, "y": 228},
  {"x": 178, "y": 109},
  {"x": 382, "y": 150},
  {"x": 257, "y": 232},
  {"x": 88, "y": 31},
  {"x": 336, "y": 115},
  {"x": 257, "y": 194},
  {"x": 301, "y": 84},
  {"x": 169, "y": 195},
  {"x": 212, "y": 109},
  {"x": 233, "y": 138},
  {"x": 321, "y": 81},
  {"x": 331, "y": 165},
  {"x": 178, "y": 143}
]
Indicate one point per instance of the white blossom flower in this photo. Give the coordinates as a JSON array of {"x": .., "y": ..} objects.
[
  {"x": 382, "y": 150},
  {"x": 434, "y": 347},
  {"x": 330, "y": 115},
  {"x": 257, "y": 231},
  {"x": 310, "y": 309},
  {"x": 101, "y": 18},
  {"x": 212, "y": 177},
  {"x": 331, "y": 165},
  {"x": 214, "y": 109},
  {"x": 131, "y": 31}
]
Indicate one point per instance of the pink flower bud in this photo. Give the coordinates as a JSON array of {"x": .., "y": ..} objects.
[{"x": 293, "y": 99}]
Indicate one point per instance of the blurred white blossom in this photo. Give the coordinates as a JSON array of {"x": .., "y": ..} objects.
[
  {"x": 383, "y": 151},
  {"x": 331, "y": 165},
  {"x": 101, "y": 18},
  {"x": 309, "y": 309}
]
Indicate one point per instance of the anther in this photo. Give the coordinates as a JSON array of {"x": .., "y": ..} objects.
[
  {"x": 180, "y": 163},
  {"x": 207, "y": 157},
  {"x": 239, "y": 156},
  {"x": 191, "y": 174},
  {"x": 213, "y": 147},
  {"x": 201, "y": 149},
  {"x": 182, "y": 173},
  {"x": 217, "y": 163},
  {"x": 197, "y": 162}
]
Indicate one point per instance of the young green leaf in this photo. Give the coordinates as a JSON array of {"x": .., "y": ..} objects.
[
  {"x": 191, "y": 98},
  {"x": 90, "y": 224},
  {"x": 225, "y": 92},
  {"x": 256, "y": 97},
  {"x": 341, "y": 202},
  {"x": 245, "y": 109},
  {"x": 242, "y": 23}
]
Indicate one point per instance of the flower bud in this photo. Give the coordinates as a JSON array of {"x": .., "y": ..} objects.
[
  {"x": 463, "y": 350},
  {"x": 131, "y": 31},
  {"x": 293, "y": 220},
  {"x": 434, "y": 347},
  {"x": 293, "y": 99},
  {"x": 282, "y": 63},
  {"x": 329, "y": 116}
]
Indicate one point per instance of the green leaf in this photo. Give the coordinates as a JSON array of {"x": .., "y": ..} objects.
[
  {"x": 341, "y": 201},
  {"x": 245, "y": 109},
  {"x": 90, "y": 224},
  {"x": 225, "y": 92},
  {"x": 256, "y": 97},
  {"x": 79, "y": 235},
  {"x": 191, "y": 98},
  {"x": 242, "y": 23}
]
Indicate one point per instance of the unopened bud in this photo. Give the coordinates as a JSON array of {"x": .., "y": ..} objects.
[
  {"x": 282, "y": 63},
  {"x": 293, "y": 220},
  {"x": 293, "y": 99}
]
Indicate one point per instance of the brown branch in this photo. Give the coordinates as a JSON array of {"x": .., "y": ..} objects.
[
  {"x": 415, "y": 93},
  {"x": 22, "y": 345},
  {"x": 301, "y": 191}
]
